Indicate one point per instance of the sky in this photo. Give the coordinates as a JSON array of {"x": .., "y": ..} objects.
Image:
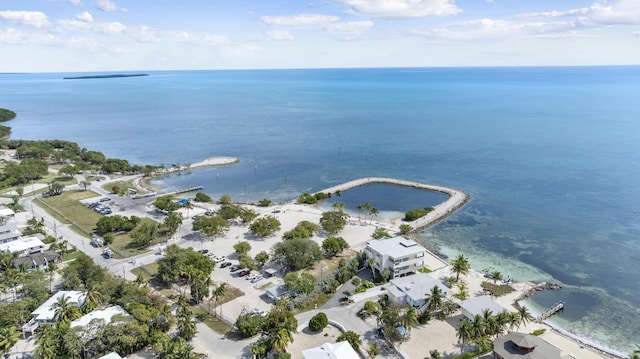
[{"x": 130, "y": 35}]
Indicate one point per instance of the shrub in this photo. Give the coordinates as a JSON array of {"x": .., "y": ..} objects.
[
  {"x": 416, "y": 213},
  {"x": 538, "y": 332},
  {"x": 202, "y": 197},
  {"x": 497, "y": 290},
  {"x": 318, "y": 322}
]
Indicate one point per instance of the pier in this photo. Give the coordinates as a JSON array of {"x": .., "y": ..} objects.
[
  {"x": 551, "y": 311},
  {"x": 185, "y": 190}
]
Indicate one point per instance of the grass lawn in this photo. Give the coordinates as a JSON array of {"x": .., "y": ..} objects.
[
  {"x": 211, "y": 321},
  {"x": 72, "y": 256},
  {"x": 148, "y": 271},
  {"x": 67, "y": 208},
  {"x": 123, "y": 187},
  {"x": 121, "y": 242}
]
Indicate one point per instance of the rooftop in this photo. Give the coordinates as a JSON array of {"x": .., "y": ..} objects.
[
  {"x": 47, "y": 311},
  {"x": 340, "y": 350},
  {"x": 105, "y": 314},
  {"x": 396, "y": 247},
  {"x": 7, "y": 212},
  {"x": 521, "y": 345},
  {"x": 22, "y": 244},
  {"x": 477, "y": 305},
  {"x": 417, "y": 286}
]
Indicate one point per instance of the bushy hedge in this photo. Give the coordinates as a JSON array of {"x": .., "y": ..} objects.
[
  {"x": 416, "y": 213},
  {"x": 318, "y": 322}
]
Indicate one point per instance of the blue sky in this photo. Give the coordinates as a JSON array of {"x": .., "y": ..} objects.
[{"x": 108, "y": 35}]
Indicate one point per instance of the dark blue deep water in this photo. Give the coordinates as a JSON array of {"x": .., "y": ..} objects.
[{"x": 550, "y": 156}]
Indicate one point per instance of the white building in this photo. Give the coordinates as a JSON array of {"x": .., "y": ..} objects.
[
  {"x": 23, "y": 246},
  {"x": 477, "y": 305},
  {"x": 8, "y": 226},
  {"x": 339, "y": 350},
  {"x": 400, "y": 255},
  {"x": 46, "y": 313},
  {"x": 105, "y": 314},
  {"x": 414, "y": 290}
]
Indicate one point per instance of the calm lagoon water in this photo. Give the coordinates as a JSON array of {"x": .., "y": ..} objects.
[{"x": 550, "y": 156}]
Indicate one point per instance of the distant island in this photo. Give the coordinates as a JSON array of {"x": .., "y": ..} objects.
[{"x": 103, "y": 76}]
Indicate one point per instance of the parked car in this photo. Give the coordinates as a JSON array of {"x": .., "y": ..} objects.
[
  {"x": 105, "y": 199},
  {"x": 244, "y": 272},
  {"x": 219, "y": 259},
  {"x": 203, "y": 251},
  {"x": 235, "y": 267},
  {"x": 225, "y": 264},
  {"x": 208, "y": 212},
  {"x": 256, "y": 311},
  {"x": 256, "y": 279},
  {"x": 251, "y": 276}
]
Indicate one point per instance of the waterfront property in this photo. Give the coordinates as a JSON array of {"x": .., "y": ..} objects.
[
  {"x": 46, "y": 313},
  {"x": 414, "y": 289},
  {"x": 521, "y": 345},
  {"x": 399, "y": 255},
  {"x": 477, "y": 305}
]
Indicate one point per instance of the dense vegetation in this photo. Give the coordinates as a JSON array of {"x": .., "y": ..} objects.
[
  {"x": 416, "y": 213},
  {"x": 6, "y": 115}
]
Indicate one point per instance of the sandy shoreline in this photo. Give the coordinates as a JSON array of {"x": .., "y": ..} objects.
[{"x": 209, "y": 162}]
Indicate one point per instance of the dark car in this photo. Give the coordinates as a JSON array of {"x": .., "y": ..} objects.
[
  {"x": 203, "y": 251},
  {"x": 235, "y": 267},
  {"x": 244, "y": 273},
  {"x": 225, "y": 264}
]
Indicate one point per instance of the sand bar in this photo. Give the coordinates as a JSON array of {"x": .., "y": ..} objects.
[{"x": 209, "y": 162}]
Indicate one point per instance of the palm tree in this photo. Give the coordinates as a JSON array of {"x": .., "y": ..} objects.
[
  {"x": 478, "y": 327},
  {"x": 46, "y": 344},
  {"x": 495, "y": 276},
  {"x": 490, "y": 323},
  {"x": 525, "y": 315},
  {"x": 281, "y": 340},
  {"x": 503, "y": 320},
  {"x": 465, "y": 333},
  {"x": 435, "y": 354},
  {"x": 92, "y": 300},
  {"x": 62, "y": 307},
  {"x": 409, "y": 318},
  {"x": 219, "y": 293},
  {"x": 435, "y": 299},
  {"x": 463, "y": 292},
  {"x": 460, "y": 265},
  {"x": 374, "y": 349},
  {"x": 8, "y": 337},
  {"x": 186, "y": 325},
  {"x": 372, "y": 264},
  {"x": 636, "y": 353},
  {"x": 514, "y": 320}
]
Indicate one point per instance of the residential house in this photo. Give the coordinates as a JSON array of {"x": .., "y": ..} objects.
[
  {"x": 8, "y": 226},
  {"x": 38, "y": 260},
  {"x": 23, "y": 246},
  {"x": 339, "y": 350},
  {"x": 400, "y": 255},
  {"x": 414, "y": 290},
  {"x": 46, "y": 313},
  {"x": 525, "y": 346},
  {"x": 477, "y": 305}
]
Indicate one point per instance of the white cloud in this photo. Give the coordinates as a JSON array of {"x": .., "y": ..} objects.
[
  {"x": 109, "y": 6},
  {"x": 350, "y": 26},
  {"x": 72, "y": 2},
  {"x": 299, "y": 20},
  {"x": 280, "y": 35},
  {"x": 401, "y": 9},
  {"x": 636, "y": 33},
  {"x": 85, "y": 16},
  {"x": 31, "y": 18},
  {"x": 554, "y": 13},
  {"x": 11, "y": 36},
  {"x": 620, "y": 12}
]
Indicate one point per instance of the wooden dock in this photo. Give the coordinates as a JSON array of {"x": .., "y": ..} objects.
[{"x": 551, "y": 311}]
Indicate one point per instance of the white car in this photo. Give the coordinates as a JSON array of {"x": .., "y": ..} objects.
[
  {"x": 219, "y": 259},
  {"x": 256, "y": 279},
  {"x": 251, "y": 277}
]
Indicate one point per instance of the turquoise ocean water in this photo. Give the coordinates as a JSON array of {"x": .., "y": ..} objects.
[{"x": 550, "y": 156}]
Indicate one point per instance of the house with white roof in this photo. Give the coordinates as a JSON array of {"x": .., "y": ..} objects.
[
  {"x": 339, "y": 350},
  {"x": 414, "y": 290},
  {"x": 23, "y": 246},
  {"x": 46, "y": 313},
  {"x": 105, "y": 314},
  {"x": 477, "y": 305},
  {"x": 400, "y": 255},
  {"x": 8, "y": 226}
]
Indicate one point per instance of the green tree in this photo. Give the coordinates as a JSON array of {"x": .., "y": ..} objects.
[
  {"x": 495, "y": 276},
  {"x": 318, "y": 322},
  {"x": 144, "y": 234},
  {"x": 380, "y": 233},
  {"x": 460, "y": 265},
  {"x": 166, "y": 203},
  {"x": 55, "y": 188},
  {"x": 218, "y": 293},
  {"x": 374, "y": 349},
  {"x": 436, "y": 298},
  {"x": 262, "y": 258},
  {"x": 525, "y": 315},
  {"x": 435, "y": 354},
  {"x": 334, "y": 245},
  {"x": 304, "y": 229},
  {"x": 303, "y": 283},
  {"x": 333, "y": 221},
  {"x": 202, "y": 197},
  {"x": 225, "y": 199},
  {"x": 265, "y": 226},
  {"x": 8, "y": 338},
  {"x": 242, "y": 247},
  {"x": 465, "y": 333},
  {"x": 171, "y": 223},
  {"x": 405, "y": 229},
  {"x": 186, "y": 324},
  {"x": 210, "y": 226},
  {"x": 281, "y": 339},
  {"x": 416, "y": 213},
  {"x": 297, "y": 253},
  {"x": 463, "y": 292},
  {"x": 352, "y": 337},
  {"x": 249, "y": 324}
]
